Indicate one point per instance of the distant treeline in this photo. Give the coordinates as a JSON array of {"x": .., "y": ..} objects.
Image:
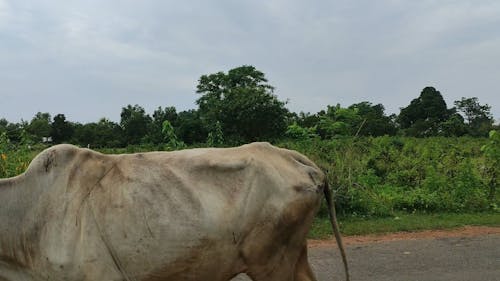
[{"x": 240, "y": 106}]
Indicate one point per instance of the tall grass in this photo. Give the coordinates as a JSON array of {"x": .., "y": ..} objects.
[
  {"x": 380, "y": 176},
  {"x": 371, "y": 176}
]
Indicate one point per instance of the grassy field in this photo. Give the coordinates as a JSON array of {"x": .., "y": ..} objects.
[
  {"x": 321, "y": 228},
  {"x": 382, "y": 185}
]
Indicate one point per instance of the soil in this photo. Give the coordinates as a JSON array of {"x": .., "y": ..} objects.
[{"x": 467, "y": 231}]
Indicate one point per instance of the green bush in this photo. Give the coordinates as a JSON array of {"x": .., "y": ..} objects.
[
  {"x": 15, "y": 158},
  {"x": 383, "y": 175}
]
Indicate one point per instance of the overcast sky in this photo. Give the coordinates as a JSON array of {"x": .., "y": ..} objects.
[{"x": 88, "y": 59}]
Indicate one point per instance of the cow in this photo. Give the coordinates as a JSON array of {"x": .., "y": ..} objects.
[{"x": 194, "y": 214}]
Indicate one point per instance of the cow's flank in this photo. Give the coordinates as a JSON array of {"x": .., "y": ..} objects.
[{"x": 198, "y": 214}]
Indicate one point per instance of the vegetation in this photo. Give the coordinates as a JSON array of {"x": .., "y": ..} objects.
[
  {"x": 240, "y": 106},
  {"x": 428, "y": 159},
  {"x": 15, "y": 158},
  {"x": 383, "y": 175},
  {"x": 321, "y": 228},
  {"x": 243, "y": 104},
  {"x": 371, "y": 176}
]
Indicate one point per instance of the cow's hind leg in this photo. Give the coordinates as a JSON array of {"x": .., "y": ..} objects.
[
  {"x": 287, "y": 271},
  {"x": 303, "y": 271},
  {"x": 283, "y": 270}
]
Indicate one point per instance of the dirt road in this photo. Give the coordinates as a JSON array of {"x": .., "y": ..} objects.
[{"x": 467, "y": 254}]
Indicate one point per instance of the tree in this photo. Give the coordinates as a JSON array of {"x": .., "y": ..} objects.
[
  {"x": 243, "y": 103},
  {"x": 135, "y": 123},
  {"x": 191, "y": 128},
  {"x": 40, "y": 126},
  {"x": 306, "y": 119},
  {"x": 339, "y": 121},
  {"x": 109, "y": 134},
  {"x": 454, "y": 126},
  {"x": 295, "y": 131},
  {"x": 85, "y": 134},
  {"x": 161, "y": 115},
  {"x": 61, "y": 130},
  {"x": 3, "y": 125},
  {"x": 14, "y": 131},
  {"x": 374, "y": 121},
  {"x": 216, "y": 137},
  {"x": 170, "y": 138},
  {"x": 478, "y": 117},
  {"x": 104, "y": 133},
  {"x": 424, "y": 115}
]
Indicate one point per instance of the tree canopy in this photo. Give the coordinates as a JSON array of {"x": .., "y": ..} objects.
[
  {"x": 135, "y": 123},
  {"x": 61, "y": 130},
  {"x": 239, "y": 106},
  {"x": 243, "y": 104},
  {"x": 424, "y": 115},
  {"x": 478, "y": 117},
  {"x": 40, "y": 126}
]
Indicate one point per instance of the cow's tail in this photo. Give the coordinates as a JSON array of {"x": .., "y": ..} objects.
[{"x": 335, "y": 227}]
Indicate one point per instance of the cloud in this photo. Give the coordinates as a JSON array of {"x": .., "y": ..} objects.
[
  {"x": 4, "y": 13},
  {"x": 315, "y": 53}
]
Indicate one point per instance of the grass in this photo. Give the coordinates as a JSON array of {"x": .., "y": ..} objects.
[{"x": 321, "y": 228}]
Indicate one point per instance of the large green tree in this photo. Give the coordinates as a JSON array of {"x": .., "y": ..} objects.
[
  {"x": 85, "y": 134},
  {"x": 363, "y": 119},
  {"x": 40, "y": 126},
  {"x": 135, "y": 123},
  {"x": 61, "y": 130},
  {"x": 478, "y": 117},
  {"x": 339, "y": 121},
  {"x": 3, "y": 125},
  {"x": 425, "y": 114},
  {"x": 454, "y": 126},
  {"x": 243, "y": 103},
  {"x": 191, "y": 128},
  {"x": 15, "y": 130},
  {"x": 160, "y": 115},
  {"x": 104, "y": 133},
  {"x": 306, "y": 119},
  {"x": 374, "y": 121}
]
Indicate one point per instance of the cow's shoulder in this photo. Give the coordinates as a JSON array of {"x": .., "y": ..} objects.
[{"x": 60, "y": 157}]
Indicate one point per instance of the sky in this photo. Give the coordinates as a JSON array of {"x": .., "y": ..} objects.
[{"x": 88, "y": 59}]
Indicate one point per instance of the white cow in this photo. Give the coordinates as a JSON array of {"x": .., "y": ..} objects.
[{"x": 199, "y": 214}]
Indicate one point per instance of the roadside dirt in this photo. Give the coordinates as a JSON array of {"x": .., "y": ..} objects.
[{"x": 467, "y": 231}]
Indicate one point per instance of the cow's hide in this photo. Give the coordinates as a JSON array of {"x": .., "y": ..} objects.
[{"x": 199, "y": 214}]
